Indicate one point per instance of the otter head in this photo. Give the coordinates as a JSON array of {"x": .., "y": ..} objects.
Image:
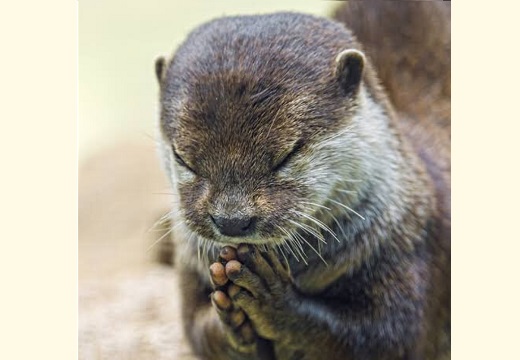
[{"x": 251, "y": 142}]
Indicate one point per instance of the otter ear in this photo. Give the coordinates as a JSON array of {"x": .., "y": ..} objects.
[
  {"x": 160, "y": 68},
  {"x": 349, "y": 69}
]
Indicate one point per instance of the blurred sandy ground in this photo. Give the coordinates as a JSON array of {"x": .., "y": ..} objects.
[{"x": 128, "y": 302}]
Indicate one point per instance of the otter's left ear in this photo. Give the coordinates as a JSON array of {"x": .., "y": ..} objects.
[
  {"x": 349, "y": 69},
  {"x": 160, "y": 68}
]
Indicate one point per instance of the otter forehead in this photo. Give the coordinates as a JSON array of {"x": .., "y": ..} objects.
[
  {"x": 229, "y": 122},
  {"x": 277, "y": 46}
]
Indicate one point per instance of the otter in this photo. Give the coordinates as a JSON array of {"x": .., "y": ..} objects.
[{"x": 311, "y": 215}]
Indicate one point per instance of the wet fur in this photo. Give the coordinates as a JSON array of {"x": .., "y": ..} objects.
[{"x": 236, "y": 97}]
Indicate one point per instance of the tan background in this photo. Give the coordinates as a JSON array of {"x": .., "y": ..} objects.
[{"x": 39, "y": 219}]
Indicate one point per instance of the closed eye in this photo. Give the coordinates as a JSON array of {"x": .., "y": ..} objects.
[
  {"x": 180, "y": 161},
  {"x": 297, "y": 147}
]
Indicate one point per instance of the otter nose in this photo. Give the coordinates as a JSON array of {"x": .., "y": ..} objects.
[{"x": 234, "y": 226}]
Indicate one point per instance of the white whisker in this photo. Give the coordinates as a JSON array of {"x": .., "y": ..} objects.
[
  {"x": 346, "y": 207},
  {"x": 310, "y": 230},
  {"x": 325, "y": 141},
  {"x": 312, "y": 248},
  {"x": 318, "y": 222},
  {"x": 283, "y": 254},
  {"x": 348, "y": 191},
  {"x": 318, "y": 205},
  {"x": 286, "y": 243},
  {"x": 162, "y": 237}
]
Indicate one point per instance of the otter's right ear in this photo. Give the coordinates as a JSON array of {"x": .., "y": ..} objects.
[
  {"x": 349, "y": 69},
  {"x": 160, "y": 68}
]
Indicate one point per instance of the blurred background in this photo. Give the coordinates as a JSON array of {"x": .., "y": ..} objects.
[
  {"x": 118, "y": 43},
  {"x": 128, "y": 305}
]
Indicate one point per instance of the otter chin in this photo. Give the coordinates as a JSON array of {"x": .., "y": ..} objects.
[{"x": 309, "y": 210}]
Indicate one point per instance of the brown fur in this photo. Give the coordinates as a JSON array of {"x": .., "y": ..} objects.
[
  {"x": 423, "y": 64},
  {"x": 238, "y": 97},
  {"x": 421, "y": 31}
]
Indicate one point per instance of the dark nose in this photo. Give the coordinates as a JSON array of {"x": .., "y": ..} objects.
[{"x": 234, "y": 226}]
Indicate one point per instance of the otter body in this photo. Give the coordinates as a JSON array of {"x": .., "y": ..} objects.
[{"x": 311, "y": 216}]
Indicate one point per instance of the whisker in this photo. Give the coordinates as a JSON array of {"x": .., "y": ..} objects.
[
  {"x": 298, "y": 243},
  {"x": 162, "y": 193},
  {"x": 286, "y": 243},
  {"x": 150, "y": 137},
  {"x": 199, "y": 240},
  {"x": 159, "y": 240},
  {"x": 161, "y": 220},
  {"x": 291, "y": 250},
  {"x": 310, "y": 230},
  {"x": 348, "y": 191},
  {"x": 213, "y": 252},
  {"x": 333, "y": 217},
  {"x": 318, "y": 205},
  {"x": 205, "y": 251},
  {"x": 313, "y": 249},
  {"x": 283, "y": 254},
  {"x": 191, "y": 238},
  {"x": 159, "y": 229},
  {"x": 346, "y": 207},
  {"x": 202, "y": 250},
  {"x": 330, "y": 138},
  {"x": 339, "y": 226},
  {"x": 162, "y": 237},
  {"x": 336, "y": 221},
  {"x": 299, "y": 248},
  {"x": 317, "y": 222}
]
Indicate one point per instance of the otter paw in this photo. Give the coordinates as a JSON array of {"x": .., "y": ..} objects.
[
  {"x": 217, "y": 272},
  {"x": 261, "y": 286},
  {"x": 237, "y": 327}
]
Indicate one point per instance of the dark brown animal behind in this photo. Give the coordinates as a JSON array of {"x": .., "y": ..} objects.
[{"x": 409, "y": 45}]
